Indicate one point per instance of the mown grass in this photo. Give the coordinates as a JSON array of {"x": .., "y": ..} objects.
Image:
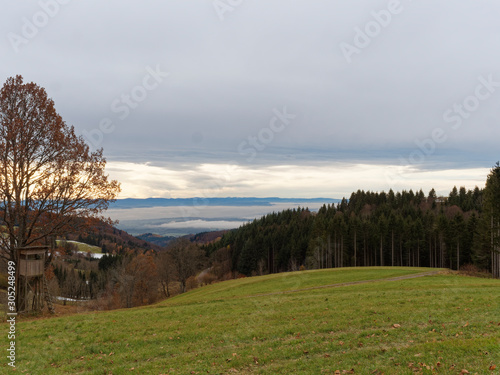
[{"x": 432, "y": 325}]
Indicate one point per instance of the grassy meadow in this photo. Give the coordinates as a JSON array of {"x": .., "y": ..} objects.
[
  {"x": 438, "y": 324},
  {"x": 83, "y": 247}
]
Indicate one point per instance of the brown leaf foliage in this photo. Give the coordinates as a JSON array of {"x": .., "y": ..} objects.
[{"x": 51, "y": 183}]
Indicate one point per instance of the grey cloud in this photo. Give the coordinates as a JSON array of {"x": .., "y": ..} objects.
[{"x": 227, "y": 77}]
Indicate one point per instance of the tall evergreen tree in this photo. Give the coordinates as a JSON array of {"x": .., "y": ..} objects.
[{"x": 491, "y": 217}]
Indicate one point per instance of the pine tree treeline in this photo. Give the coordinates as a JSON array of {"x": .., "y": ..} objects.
[{"x": 375, "y": 229}]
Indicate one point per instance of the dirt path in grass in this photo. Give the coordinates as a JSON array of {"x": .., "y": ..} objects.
[{"x": 404, "y": 277}]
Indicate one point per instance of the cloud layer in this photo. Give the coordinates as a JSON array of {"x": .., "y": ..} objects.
[{"x": 296, "y": 98}]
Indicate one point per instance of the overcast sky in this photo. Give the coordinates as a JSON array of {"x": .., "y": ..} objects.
[{"x": 288, "y": 98}]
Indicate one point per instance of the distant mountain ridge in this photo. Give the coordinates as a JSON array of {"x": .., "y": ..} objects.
[{"x": 128, "y": 203}]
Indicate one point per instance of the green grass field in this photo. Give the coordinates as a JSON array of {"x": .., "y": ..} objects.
[
  {"x": 86, "y": 248},
  {"x": 439, "y": 324}
]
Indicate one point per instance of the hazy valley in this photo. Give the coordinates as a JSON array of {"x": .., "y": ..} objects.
[{"x": 177, "y": 217}]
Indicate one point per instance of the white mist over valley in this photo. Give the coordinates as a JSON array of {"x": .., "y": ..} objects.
[{"x": 198, "y": 215}]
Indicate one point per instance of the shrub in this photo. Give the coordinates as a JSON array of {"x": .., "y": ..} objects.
[
  {"x": 207, "y": 278},
  {"x": 473, "y": 270},
  {"x": 191, "y": 283}
]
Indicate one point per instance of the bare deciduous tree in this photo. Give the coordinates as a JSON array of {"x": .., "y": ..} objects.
[
  {"x": 166, "y": 271},
  {"x": 187, "y": 259}
]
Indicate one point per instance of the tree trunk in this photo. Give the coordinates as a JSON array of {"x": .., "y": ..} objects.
[
  {"x": 401, "y": 252},
  {"x": 381, "y": 253},
  {"x": 431, "y": 263},
  {"x": 493, "y": 270},
  {"x": 342, "y": 251},
  {"x": 335, "y": 251},
  {"x": 435, "y": 253},
  {"x": 418, "y": 254},
  {"x": 364, "y": 252},
  {"x": 166, "y": 291},
  {"x": 392, "y": 247},
  {"x": 355, "y": 241}
]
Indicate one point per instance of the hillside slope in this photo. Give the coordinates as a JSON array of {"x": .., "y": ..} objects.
[
  {"x": 112, "y": 239},
  {"x": 446, "y": 322}
]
